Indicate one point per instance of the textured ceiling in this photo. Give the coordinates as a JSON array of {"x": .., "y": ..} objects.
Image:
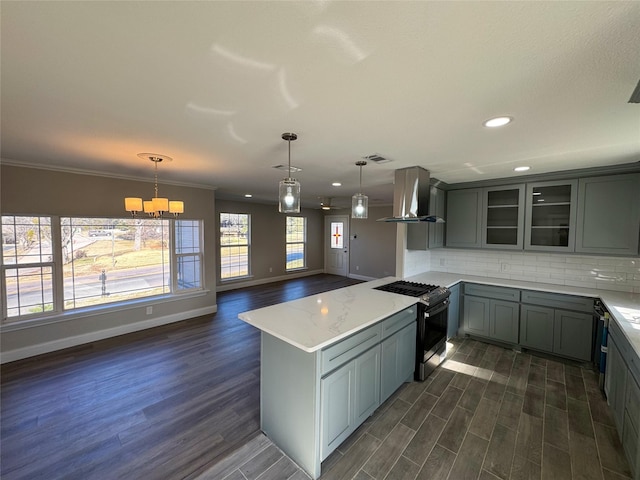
[{"x": 89, "y": 85}]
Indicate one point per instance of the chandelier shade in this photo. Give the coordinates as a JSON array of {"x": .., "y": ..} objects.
[
  {"x": 289, "y": 188},
  {"x": 360, "y": 202},
  {"x": 157, "y": 206}
]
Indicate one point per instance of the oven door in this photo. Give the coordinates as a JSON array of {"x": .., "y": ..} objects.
[{"x": 431, "y": 338}]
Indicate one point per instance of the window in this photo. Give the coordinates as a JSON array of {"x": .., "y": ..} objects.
[
  {"x": 235, "y": 240},
  {"x": 109, "y": 260},
  {"x": 83, "y": 262},
  {"x": 296, "y": 237},
  {"x": 188, "y": 253},
  {"x": 337, "y": 240},
  {"x": 27, "y": 265}
]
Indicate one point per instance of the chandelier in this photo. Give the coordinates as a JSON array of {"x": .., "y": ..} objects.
[{"x": 157, "y": 206}]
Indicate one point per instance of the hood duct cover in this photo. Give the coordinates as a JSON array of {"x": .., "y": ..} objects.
[{"x": 411, "y": 197}]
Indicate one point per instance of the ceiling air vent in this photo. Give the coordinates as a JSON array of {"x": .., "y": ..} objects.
[
  {"x": 375, "y": 158},
  {"x": 635, "y": 96},
  {"x": 286, "y": 168}
]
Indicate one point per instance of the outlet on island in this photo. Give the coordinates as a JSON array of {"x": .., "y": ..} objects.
[{"x": 149, "y": 310}]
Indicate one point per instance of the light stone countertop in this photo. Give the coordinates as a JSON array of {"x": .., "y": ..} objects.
[
  {"x": 623, "y": 307},
  {"x": 314, "y": 322}
]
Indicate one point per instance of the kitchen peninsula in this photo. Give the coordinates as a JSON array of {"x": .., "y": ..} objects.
[
  {"x": 324, "y": 359},
  {"x": 324, "y": 350}
]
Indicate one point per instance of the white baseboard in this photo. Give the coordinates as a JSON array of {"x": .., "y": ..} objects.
[
  {"x": 252, "y": 283},
  {"x": 46, "y": 347},
  {"x": 361, "y": 277}
]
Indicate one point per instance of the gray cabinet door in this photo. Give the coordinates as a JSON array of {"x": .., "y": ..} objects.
[
  {"x": 425, "y": 235},
  {"x": 503, "y": 217},
  {"x": 573, "y": 334},
  {"x": 616, "y": 378},
  {"x": 367, "y": 384},
  {"x": 398, "y": 360},
  {"x": 551, "y": 216},
  {"x": 536, "y": 327},
  {"x": 608, "y": 215},
  {"x": 453, "y": 315},
  {"x": 337, "y": 412},
  {"x": 437, "y": 207},
  {"x": 504, "y": 320},
  {"x": 476, "y": 315},
  {"x": 464, "y": 218}
]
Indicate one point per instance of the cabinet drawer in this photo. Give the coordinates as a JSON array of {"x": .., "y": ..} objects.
[
  {"x": 349, "y": 348},
  {"x": 558, "y": 300},
  {"x": 632, "y": 403},
  {"x": 488, "y": 291},
  {"x": 626, "y": 352},
  {"x": 398, "y": 321}
]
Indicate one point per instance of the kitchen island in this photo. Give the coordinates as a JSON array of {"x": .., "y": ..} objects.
[{"x": 327, "y": 362}]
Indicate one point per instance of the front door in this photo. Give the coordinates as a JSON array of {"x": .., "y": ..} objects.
[{"x": 336, "y": 251}]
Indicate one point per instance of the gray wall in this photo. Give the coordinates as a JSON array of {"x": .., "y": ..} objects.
[
  {"x": 374, "y": 248},
  {"x": 31, "y": 191},
  {"x": 268, "y": 241}
]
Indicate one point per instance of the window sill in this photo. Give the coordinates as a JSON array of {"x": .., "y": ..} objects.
[
  {"x": 98, "y": 310},
  {"x": 293, "y": 270},
  {"x": 235, "y": 279}
]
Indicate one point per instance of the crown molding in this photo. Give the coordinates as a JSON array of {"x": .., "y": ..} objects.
[{"x": 96, "y": 173}]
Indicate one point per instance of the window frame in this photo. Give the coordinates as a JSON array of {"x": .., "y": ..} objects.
[
  {"x": 302, "y": 242},
  {"x": 59, "y": 313},
  {"x": 222, "y": 248}
]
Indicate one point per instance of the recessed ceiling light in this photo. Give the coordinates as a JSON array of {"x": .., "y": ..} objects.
[
  {"x": 336, "y": 184},
  {"x": 497, "y": 122},
  {"x": 248, "y": 195},
  {"x": 521, "y": 169}
]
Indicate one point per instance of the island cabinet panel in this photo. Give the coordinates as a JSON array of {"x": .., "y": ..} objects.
[
  {"x": 350, "y": 395},
  {"x": 397, "y": 365},
  {"x": 310, "y": 402},
  {"x": 608, "y": 215}
]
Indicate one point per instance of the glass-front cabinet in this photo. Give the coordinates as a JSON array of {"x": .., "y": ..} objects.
[
  {"x": 551, "y": 216},
  {"x": 503, "y": 217}
]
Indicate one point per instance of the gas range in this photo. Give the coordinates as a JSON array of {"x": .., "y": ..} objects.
[{"x": 429, "y": 295}]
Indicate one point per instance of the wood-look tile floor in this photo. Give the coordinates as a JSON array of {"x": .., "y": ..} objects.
[{"x": 487, "y": 413}]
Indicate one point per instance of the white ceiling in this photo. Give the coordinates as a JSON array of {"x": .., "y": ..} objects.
[{"x": 88, "y": 85}]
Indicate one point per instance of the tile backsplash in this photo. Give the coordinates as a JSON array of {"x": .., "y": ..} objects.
[{"x": 607, "y": 273}]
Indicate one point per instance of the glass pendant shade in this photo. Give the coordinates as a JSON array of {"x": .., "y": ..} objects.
[
  {"x": 359, "y": 206},
  {"x": 289, "y": 196}
]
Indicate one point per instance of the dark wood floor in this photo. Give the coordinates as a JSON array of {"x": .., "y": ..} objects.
[{"x": 164, "y": 403}]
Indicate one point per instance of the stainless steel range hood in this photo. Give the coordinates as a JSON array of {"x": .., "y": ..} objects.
[{"x": 411, "y": 197}]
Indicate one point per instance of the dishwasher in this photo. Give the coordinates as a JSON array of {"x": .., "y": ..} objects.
[{"x": 603, "y": 317}]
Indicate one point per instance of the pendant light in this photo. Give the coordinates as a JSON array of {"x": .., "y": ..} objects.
[
  {"x": 360, "y": 202},
  {"x": 289, "y": 190},
  {"x": 157, "y": 205}
]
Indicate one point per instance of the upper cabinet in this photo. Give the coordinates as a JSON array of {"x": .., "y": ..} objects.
[
  {"x": 491, "y": 217},
  {"x": 464, "y": 218},
  {"x": 598, "y": 215},
  {"x": 608, "y": 215},
  {"x": 503, "y": 220},
  {"x": 551, "y": 216},
  {"x": 424, "y": 235}
]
